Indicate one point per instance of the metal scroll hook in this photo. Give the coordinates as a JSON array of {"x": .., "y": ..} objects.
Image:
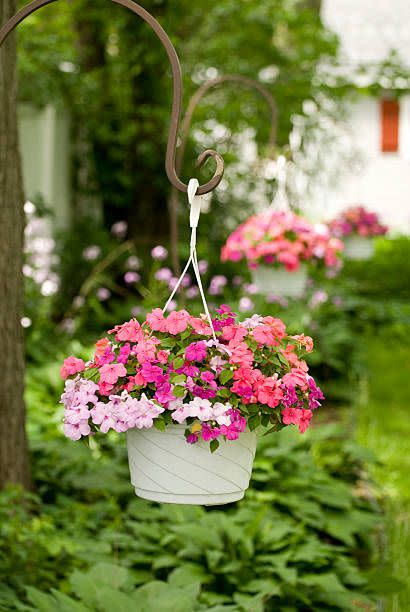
[{"x": 177, "y": 91}]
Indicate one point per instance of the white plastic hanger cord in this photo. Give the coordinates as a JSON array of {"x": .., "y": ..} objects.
[{"x": 195, "y": 202}]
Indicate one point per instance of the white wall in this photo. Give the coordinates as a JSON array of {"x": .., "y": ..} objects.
[
  {"x": 381, "y": 181},
  {"x": 45, "y": 152}
]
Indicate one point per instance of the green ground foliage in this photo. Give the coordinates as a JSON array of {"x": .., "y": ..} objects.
[
  {"x": 302, "y": 538},
  {"x": 383, "y": 425}
]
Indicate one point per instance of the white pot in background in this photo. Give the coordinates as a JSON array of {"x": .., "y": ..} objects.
[
  {"x": 165, "y": 468},
  {"x": 358, "y": 247},
  {"x": 278, "y": 281}
]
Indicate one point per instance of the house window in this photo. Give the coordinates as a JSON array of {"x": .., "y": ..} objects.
[{"x": 389, "y": 114}]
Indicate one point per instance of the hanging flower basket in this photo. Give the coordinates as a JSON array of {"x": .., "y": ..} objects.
[
  {"x": 190, "y": 401},
  {"x": 278, "y": 245},
  {"x": 190, "y": 393},
  {"x": 357, "y": 227}
]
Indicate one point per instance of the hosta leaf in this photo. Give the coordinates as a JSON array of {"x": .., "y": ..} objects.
[
  {"x": 164, "y": 561},
  {"x": 41, "y": 601},
  {"x": 326, "y": 582},
  {"x": 115, "y": 576},
  {"x": 262, "y": 586},
  {"x": 110, "y": 599}
]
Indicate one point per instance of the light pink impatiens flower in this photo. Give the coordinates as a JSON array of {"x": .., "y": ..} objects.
[{"x": 111, "y": 372}]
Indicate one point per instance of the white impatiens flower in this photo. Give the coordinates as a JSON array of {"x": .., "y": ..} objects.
[
  {"x": 252, "y": 321},
  {"x": 220, "y": 413}
]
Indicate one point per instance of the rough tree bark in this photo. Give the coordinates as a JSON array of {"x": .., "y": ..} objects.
[{"x": 14, "y": 463}]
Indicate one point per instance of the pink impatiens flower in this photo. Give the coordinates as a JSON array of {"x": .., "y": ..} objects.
[
  {"x": 297, "y": 416},
  {"x": 156, "y": 321},
  {"x": 128, "y": 332},
  {"x": 200, "y": 326},
  {"x": 241, "y": 354},
  {"x": 101, "y": 415},
  {"x": 177, "y": 322},
  {"x": 269, "y": 391},
  {"x": 111, "y": 372},
  {"x": 74, "y": 431},
  {"x": 296, "y": 377},
  {"x": 71, "y": 366}
]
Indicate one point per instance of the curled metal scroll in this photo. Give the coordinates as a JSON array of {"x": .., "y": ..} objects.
[
  {"x": 184, "y": 133},
  {"x": 177, "y": 91},
  {"x": 200, "y": 93}
]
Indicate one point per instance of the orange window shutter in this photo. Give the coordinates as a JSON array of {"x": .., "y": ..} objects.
[{"x": 390, "y": 111}]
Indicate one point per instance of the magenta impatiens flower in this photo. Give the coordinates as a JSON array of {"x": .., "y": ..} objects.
[
  {"x": 196, "y": 351},
  {"x": 171, "y": 369}
]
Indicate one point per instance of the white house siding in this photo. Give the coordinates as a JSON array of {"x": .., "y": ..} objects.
[
  {"x": 45, "y": 152},
  {"x": 369, "y": 30},
  {"x": 380, "y": 181}
]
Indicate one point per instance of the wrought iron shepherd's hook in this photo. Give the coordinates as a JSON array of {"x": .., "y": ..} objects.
[{"x": 177, "y": 91}]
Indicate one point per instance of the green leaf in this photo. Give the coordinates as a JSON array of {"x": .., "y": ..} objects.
[
  {"x": 178, "y": 363},
  {"x": 214, "y": 445},
  {"x": 178, "y": 378},
  {"x": 67, "y": 604},
  {"x": 163, "y": 597},
  {"x": 110, "y": 599},
  {"x": 164, "y": 561},
  {"x": 160, "y": 424},
  {"x": 383, "y": 583},
  {"x": 113, "y": 575},
  {"x": 254, "y": 421},
  {"x": 179, "y": 391},
  {"x": 262, "y": 586},
  {"x": 42, "y": 602},
  {"x": 225, "y": 375},
  {"x": 168, "y": 342},
  {"x": 326, "y": 582},
  {"x": 224, "y": 392}
]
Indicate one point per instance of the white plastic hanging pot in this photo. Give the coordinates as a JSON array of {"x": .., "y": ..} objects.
[
  {"x": 165, "y": 468},
  {"x": 280, "y": 282},
  {"x": 358, "y": 247}
]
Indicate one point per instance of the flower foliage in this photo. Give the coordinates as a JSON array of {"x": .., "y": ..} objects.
[
  {"x": 170, "y": 370},
  {"x": 284, "y": 239},
  {"x": 357, "y": 220}
]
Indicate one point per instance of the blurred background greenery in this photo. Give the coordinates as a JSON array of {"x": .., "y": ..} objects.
[{"x": 325, "y": 524}]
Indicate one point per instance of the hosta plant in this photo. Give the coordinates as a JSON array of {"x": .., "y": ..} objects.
[{"x": 174, "y": 370}]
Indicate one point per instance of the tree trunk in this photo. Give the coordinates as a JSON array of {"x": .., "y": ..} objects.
[{"x": 14, "y": 463}]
